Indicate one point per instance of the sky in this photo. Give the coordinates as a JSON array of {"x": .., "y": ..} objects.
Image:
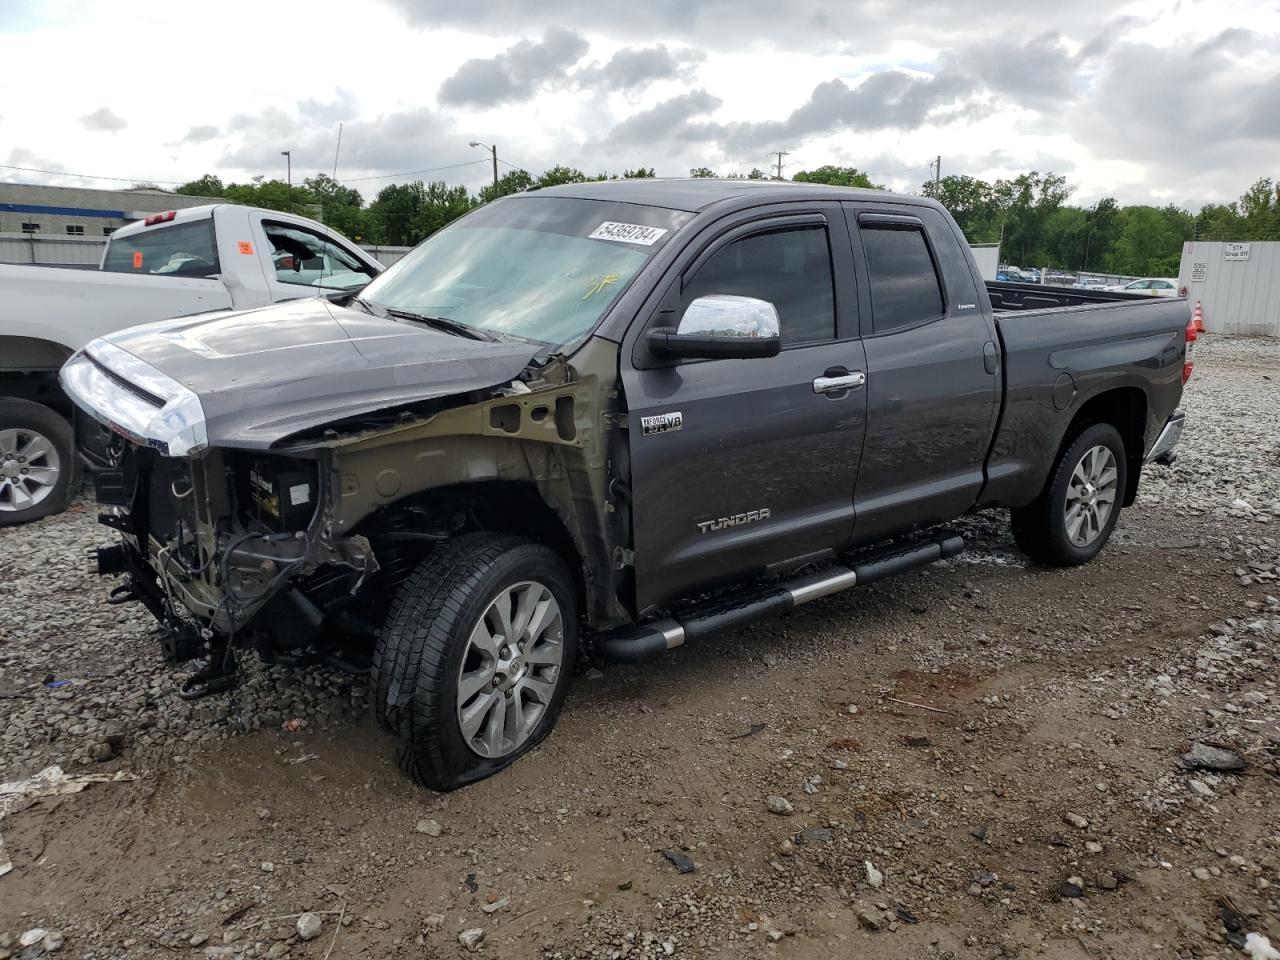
[{"x": 1159, "y": 102}]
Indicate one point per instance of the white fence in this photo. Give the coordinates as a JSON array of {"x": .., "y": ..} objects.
[
  {"x": 87, "y": 251},
  {"x": 1237, "y": 284}
]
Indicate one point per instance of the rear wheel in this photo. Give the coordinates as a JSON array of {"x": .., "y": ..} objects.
[
  {"x": 37, "y": 461},
  {"x": 1072, "y": 520},
  {"x": 475, "y": 658}
]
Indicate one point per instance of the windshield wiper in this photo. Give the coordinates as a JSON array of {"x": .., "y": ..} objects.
[{"x": 441, "y": 323}]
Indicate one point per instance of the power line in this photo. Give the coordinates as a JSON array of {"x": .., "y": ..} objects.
[
  {"x": 89, "y": 176},
  {"x": 93, "y": 176},
  {"x": 410, "y": 173}
]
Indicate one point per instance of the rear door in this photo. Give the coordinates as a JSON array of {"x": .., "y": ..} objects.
[
  {"x": 759, "y": 470},
  {"x": 932, "y": 371}
]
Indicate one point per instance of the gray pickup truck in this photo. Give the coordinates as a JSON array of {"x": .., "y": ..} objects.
[{"x": 614, "y": 415}]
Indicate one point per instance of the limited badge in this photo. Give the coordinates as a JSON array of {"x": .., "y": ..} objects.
[{"x": 661, "y": 423}]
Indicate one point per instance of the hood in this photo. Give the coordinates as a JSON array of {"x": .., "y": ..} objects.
[{"x": 262, "y": 375}]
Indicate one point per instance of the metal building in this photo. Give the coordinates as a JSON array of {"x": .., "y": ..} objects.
[
  {"x": 28, "y": 208},
  {"x": 1237, "y": 284}
]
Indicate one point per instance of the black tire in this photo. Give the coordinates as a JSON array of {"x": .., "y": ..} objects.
[
  {"x": 419, "y": 654},
  {"x": 1040, "y": 528},
  {"x": 23, "y": 416}
]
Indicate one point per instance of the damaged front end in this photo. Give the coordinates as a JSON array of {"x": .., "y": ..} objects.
[
  {"x": 234, "y": 548},
  {"x": 224, "y": 547}
]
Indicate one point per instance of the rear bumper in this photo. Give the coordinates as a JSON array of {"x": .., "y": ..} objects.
[{"x": 1162, "y": 451}]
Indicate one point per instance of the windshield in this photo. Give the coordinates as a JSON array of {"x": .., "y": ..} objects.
[
  {"x": 179, "y": 250},
  {"x": 540, "y": 268}
]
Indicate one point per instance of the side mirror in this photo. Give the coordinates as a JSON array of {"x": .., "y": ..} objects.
[{"x": 721, "y": 327}]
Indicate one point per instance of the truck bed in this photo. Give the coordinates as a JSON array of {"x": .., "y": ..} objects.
[
  {"x": 1006, "y": 297},
  {"x": 1106, "y": 341}
]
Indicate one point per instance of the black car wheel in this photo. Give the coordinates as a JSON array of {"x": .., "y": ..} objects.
[
  {"x": 475, "y": 657},
  {"x": 1071, "y": 521}
]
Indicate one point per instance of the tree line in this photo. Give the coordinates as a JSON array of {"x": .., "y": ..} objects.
[
  {"x": 1028, "y": 215},
  {"x": 1031, "y": 219}
]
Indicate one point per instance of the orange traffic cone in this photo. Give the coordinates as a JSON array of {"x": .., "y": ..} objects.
[{"x": 1198, "y": 318}]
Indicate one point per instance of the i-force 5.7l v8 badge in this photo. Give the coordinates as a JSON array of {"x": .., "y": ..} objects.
[{"x": 661, "y": 423}]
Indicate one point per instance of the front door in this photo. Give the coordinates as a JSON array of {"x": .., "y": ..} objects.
[{"x": 742, "y": 465}]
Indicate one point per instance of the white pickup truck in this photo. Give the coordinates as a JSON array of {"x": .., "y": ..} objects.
[{"x": 217, "y": 257}]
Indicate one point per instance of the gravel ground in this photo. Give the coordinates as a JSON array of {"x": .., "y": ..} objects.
[{"x": 981, "y": 759}]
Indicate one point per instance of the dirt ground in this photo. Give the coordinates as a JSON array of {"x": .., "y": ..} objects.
[{"x": 983, "y": 760}]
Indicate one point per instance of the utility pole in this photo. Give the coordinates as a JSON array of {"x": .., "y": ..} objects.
[
  {"x": 493, "y": 150},
  {"x": 937, "y": 173},
  {"x": 335, "y": 152},
  {"x": 288, "y": 168},
  {"x": 778, "y": 164}
]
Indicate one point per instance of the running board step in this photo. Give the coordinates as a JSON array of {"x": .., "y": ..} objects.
[{"x": 651, "y": 640}]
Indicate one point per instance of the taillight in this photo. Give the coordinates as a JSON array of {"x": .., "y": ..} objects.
[
  {"x": 1188, "y": 357},
  {"x": 155, "y": 218}
]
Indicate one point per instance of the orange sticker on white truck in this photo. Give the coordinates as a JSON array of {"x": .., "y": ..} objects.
[
  {"x": 245, "y": 246},
  {"x": 137, "y": 259}
]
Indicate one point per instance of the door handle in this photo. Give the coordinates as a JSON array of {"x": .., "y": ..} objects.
[{"x": 848, "y": 381}]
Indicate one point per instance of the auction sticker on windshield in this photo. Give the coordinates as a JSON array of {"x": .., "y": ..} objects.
[{"x": 628, "y": 233}]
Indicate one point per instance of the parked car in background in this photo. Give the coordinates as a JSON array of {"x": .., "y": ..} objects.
[
  {"x": 202, "y": 259},
  {"x": 1150, "y": 287},
  {"x": 648, "y": 410},
  {"x": 1091, "y": 283}
]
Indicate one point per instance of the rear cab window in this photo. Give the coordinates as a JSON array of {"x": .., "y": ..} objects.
[
  {"x": 172, "y": 250},
  {"x": 905, "y": 288}
]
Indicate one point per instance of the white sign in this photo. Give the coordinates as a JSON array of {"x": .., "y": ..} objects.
[
  {"x": 1235, "y": 251},
  {"x": 628, "y": 233},
  {"x": 1198, "y": 272}
]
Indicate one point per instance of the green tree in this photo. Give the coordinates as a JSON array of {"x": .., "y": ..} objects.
[
  {"x": 394, "y": 212},
  {"x": 511, "y": 182},
  {"x": 207, "y": 186},
  {"x": 441, "y": 205},
  {"x": 971, "y": 202},
  {"x": 561, "y": 174},
  {"x": 703, "y": 172},
  {"x": 341, "y": 207},
  {"x": 639, "y": 173},
  {"x": 837, "y": 177}
]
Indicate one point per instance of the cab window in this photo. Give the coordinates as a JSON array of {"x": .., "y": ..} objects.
[
  {"x": 178, "y": 250},
  {"x": 309, "y": 259}
]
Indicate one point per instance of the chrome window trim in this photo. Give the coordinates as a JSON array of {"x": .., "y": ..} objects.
[{"x": 176, "y": 429}]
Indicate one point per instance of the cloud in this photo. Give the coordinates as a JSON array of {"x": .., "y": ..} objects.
[
  {"x": 634, "y": 68},
  {"x": 393, "y": 142},
  {"x": 668, "y": 121},
  {"x": 811, "y": 26},
  {"x": 22, "y": 157},
  {"x": 518, "y": 73},
  {"x": 103, "y": 120},
  {"x": 200, "y": 134},
  {"x": 1029, "y": 72}
]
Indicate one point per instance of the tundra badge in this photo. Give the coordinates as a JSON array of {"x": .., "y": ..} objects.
[
  {"x": 661, "y": 423},
  {"x": 737, "y": 520}
]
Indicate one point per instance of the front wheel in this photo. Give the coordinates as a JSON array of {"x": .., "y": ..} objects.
[
  {"x": 37, "y": 461},
  {"x": 475, "y": 658},
  {"x": 1071, "y": 521}
]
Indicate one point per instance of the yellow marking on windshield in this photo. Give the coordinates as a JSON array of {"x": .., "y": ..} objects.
[{"x": 598, "y": 285}]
